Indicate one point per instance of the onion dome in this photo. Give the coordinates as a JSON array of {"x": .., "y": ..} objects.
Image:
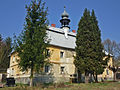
[
  {"x": 65, "y": 14},
  {"x": 65, "y": 20}
]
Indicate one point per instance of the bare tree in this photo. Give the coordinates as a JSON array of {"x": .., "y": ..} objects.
[
  {"x": 118, "y": 49},
  {"x": 117, "y": 62},
  {"x": 110, "y": 46},
  {"x": 113, "y": 49}
]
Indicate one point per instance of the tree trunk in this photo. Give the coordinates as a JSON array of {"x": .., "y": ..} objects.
[
  {"x": 96, "y": 78},
  {"x": 86, "y": 77},
  {"x": 31, "y": 82},
  {"x": 114, "y": 78},
  {"x": 91, "y": 78},
  {"x": 31, "y": 77},
  {"x": 79, "y": 77}
]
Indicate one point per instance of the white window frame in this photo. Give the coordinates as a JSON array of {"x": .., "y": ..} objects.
[
  {"x": 62, "y": 69},
  {"x": 48, "y": 67}
]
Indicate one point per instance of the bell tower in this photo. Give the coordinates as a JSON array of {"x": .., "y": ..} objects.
[
  {"x": 65, "y": 19},
  {"x": 65, "y": 22}
]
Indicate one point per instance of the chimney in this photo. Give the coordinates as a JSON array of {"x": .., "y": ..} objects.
[
  {"x": 74, "y": 31},
  {"x": 53, "y": 25}
]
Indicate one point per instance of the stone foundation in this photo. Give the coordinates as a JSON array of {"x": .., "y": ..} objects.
[{"x": 42, "y": 79}]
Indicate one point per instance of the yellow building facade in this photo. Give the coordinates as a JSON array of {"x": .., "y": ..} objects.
[
  {"x": 61, "y": 60},
  {"x": 61, "y": 70}
]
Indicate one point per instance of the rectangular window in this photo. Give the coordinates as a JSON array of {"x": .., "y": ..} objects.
[
  {"x": 61, "y": 54},
  {"x": 48, "y": 52},
  {"x": 47, "y": 68},
  {"x": 13, "y": 59},
  {"x": 12, "y": 72},
  {"x": 62, "y": 70}
]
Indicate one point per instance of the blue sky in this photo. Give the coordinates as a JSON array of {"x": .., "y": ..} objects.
[{"x": 13, "y": 12}]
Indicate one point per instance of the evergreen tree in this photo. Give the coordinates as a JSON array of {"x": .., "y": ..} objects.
[
  {"x": 32, "y": 44},
  {"x": 0, "y": 37},
  {"x": 89, "y": 50},
  {"x": 97, "y": 53},
  {"x": 5, "y": 50},
  {"x": 82, "y": 59}
]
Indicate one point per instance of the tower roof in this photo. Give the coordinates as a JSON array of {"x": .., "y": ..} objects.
[{"x": 65, "y": 14}]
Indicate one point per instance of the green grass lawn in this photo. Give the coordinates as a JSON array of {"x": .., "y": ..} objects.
[{"x": 68, "y": 86}]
